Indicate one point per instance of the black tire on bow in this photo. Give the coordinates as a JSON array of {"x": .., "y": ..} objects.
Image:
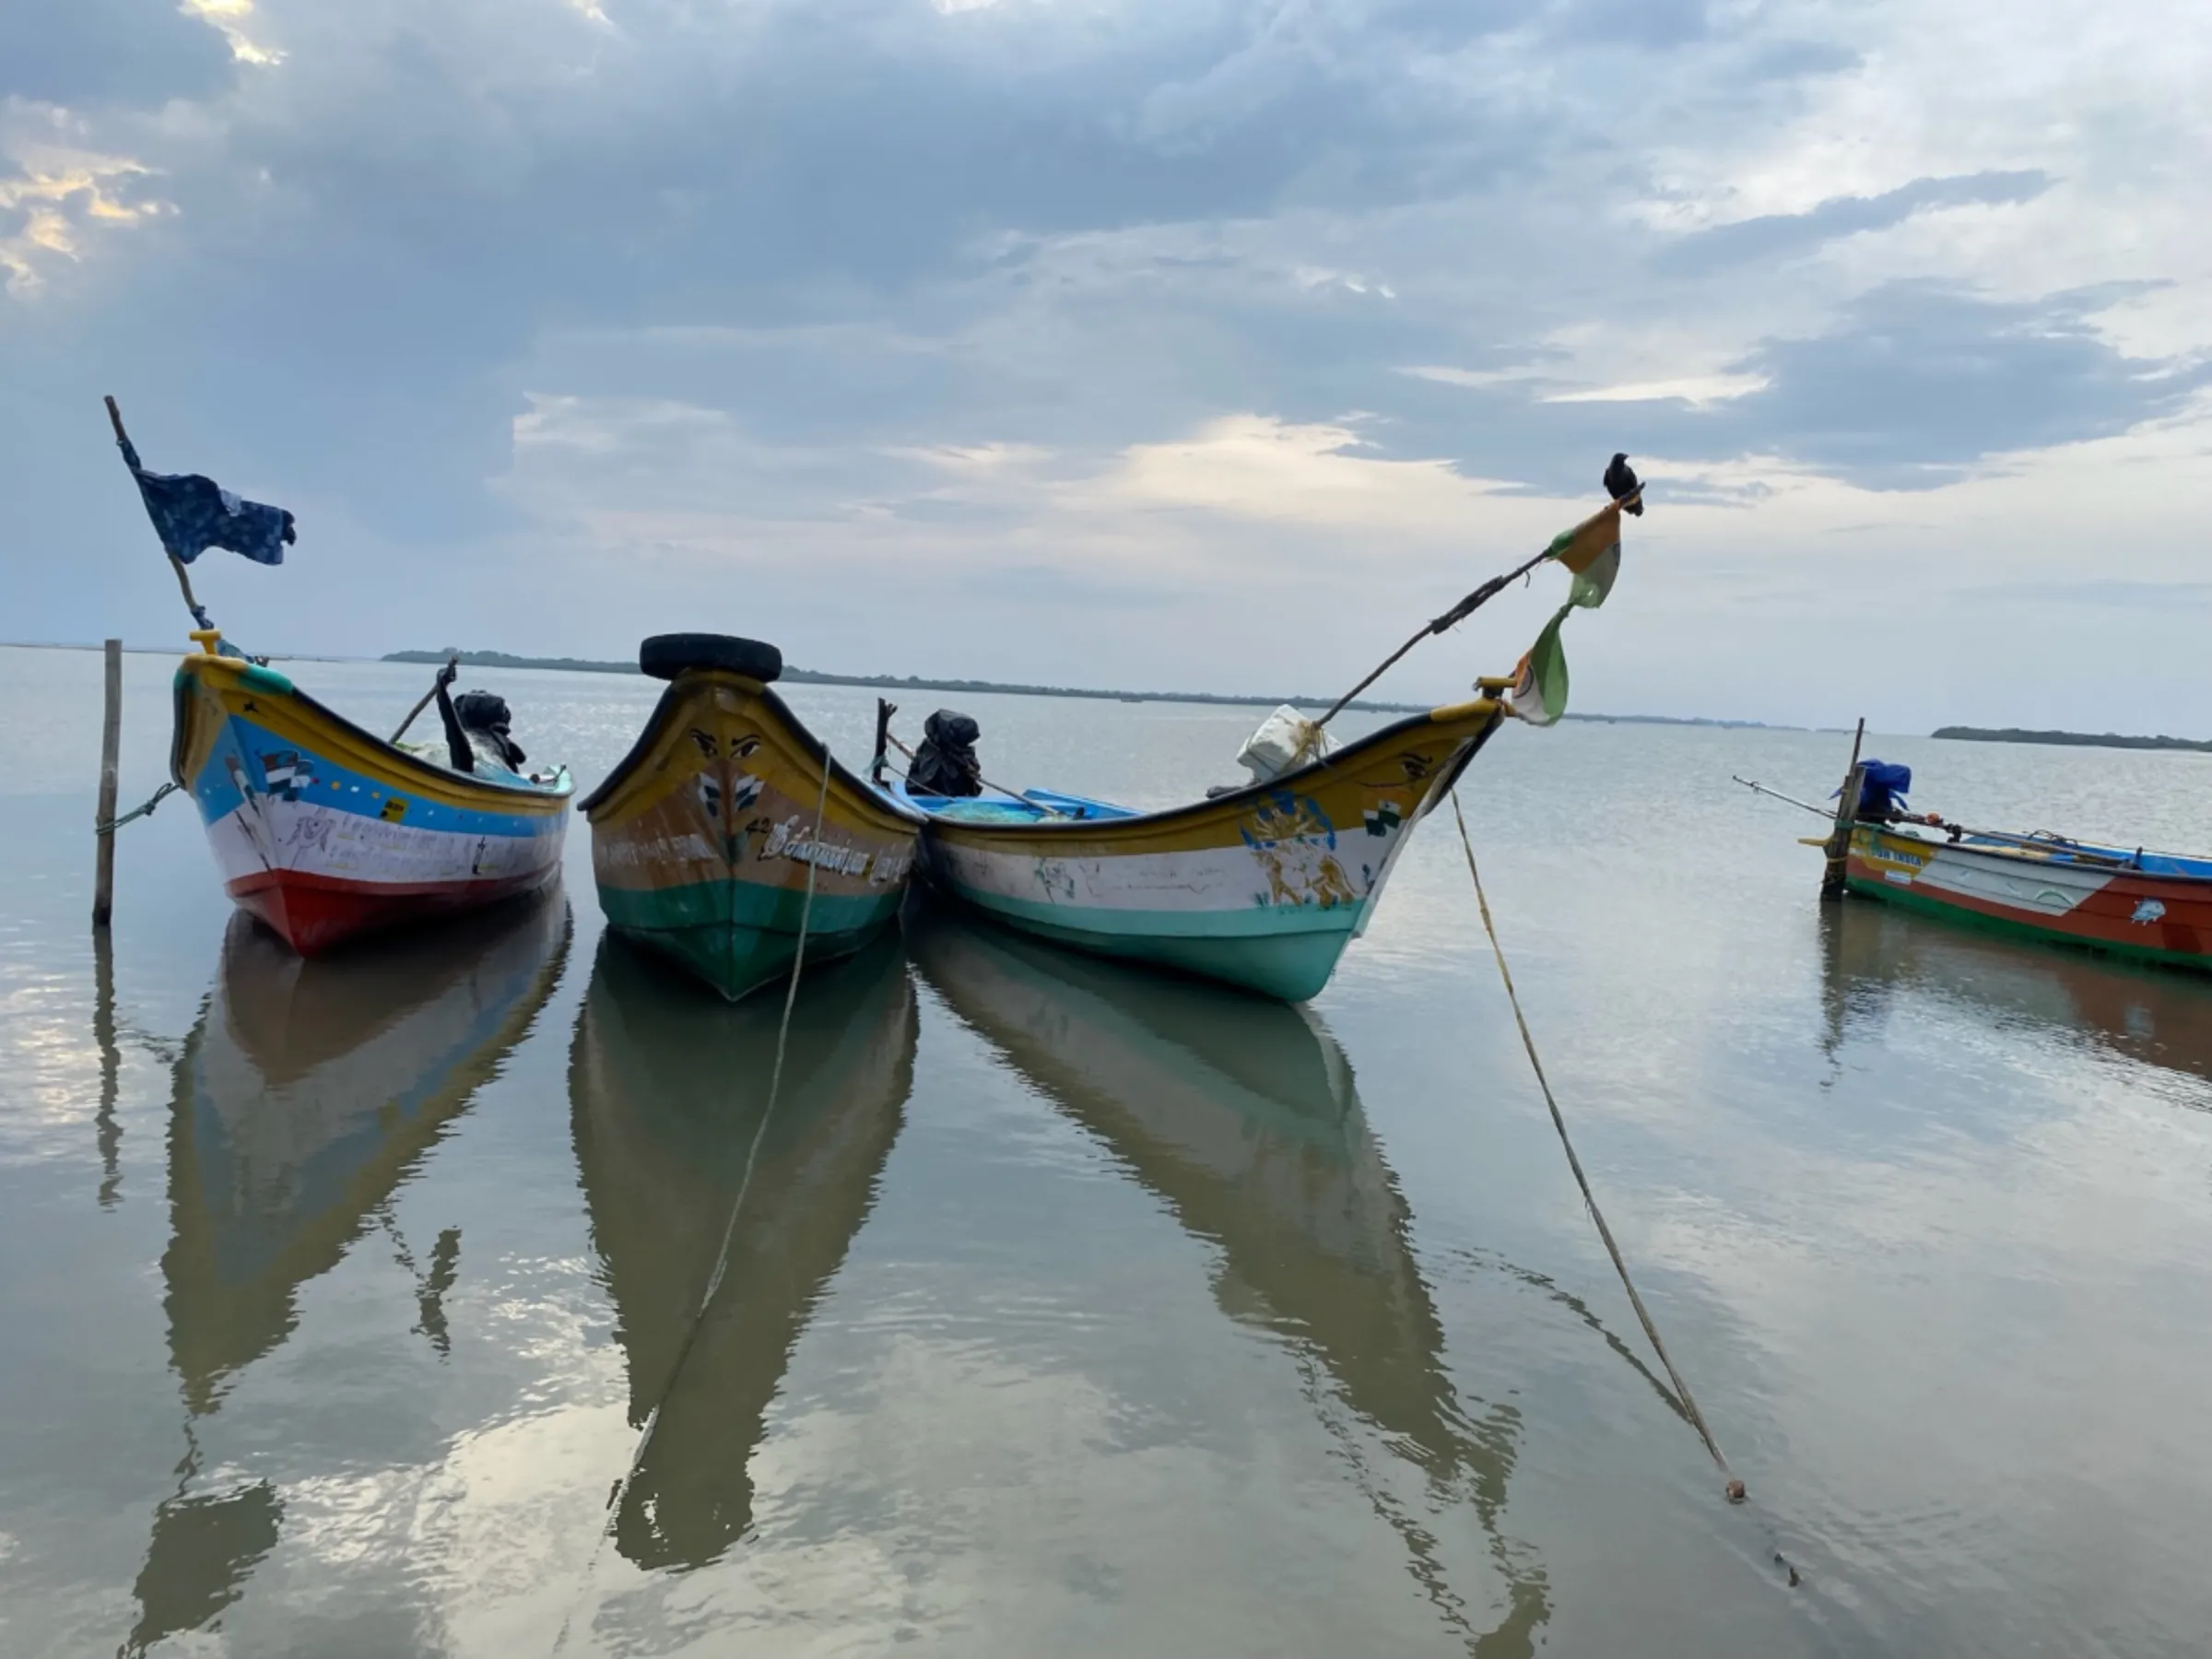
[{"x": 664, "y": 656}]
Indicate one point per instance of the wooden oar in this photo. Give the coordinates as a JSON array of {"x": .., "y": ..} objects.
[{"x": 451, "y": 662}]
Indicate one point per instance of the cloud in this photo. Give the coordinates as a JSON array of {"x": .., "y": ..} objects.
[
  {"x": 1789, "y": 235},
  {"x": 93, "y": 53},
  {"x": 1917, "y": 384},
  {"x": 54, "y": 197},
  {"x": 500, "y": 295}
]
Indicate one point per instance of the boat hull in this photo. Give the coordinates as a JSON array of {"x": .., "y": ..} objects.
[
  {"x": 2139, "y": 914},
  {"x": 323, "y": 832},
  {"x": 1262, "y": 888},
  {"x": 703, "y": 838}
]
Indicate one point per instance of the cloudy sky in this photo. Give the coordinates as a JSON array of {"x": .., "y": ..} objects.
[{"x": 1204, "y": 344}]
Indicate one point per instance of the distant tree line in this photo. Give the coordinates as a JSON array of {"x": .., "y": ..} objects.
[{"x": 2073, "y": 739}]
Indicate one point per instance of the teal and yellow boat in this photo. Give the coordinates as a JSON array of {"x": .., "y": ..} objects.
[
  {"x": 729, "y": 825},
  {"x": 1262, "y": 886}
]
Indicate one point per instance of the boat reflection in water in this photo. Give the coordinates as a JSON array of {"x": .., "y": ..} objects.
[
  {"x": 1240, "y": 1115},
  {"x": 1872, "y": 954},
  {"x": 307, "y": 1091},
  {"x": 668, "y": 1096}
]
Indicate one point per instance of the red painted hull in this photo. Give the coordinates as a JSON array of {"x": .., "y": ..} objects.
[
  {"x": 2103, "y": 905},
  {"x": 312, "y": 913}
]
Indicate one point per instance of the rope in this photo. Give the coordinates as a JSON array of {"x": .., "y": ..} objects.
[
  {"x": 1456, "y": 615},
  {"x": 729, "y": 1231},
  {"x": 1735, "y": 1488},
  {"x": 155, "y": 800},
  {"x": 1053, "y": 811}
]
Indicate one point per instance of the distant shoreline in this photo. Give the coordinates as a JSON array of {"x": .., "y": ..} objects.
[
  {"x": 2067, "y": 739},
  {"x": 499, "y": 659},
  {"x": 885, "y": 682}
]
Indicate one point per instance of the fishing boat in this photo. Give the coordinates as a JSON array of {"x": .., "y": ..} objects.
[
  {"x": 671, "y": 1117},
  {"x": 2153, "y": 907},
  {"x": 2130, "y": 902},
  {"x": 729, "y": 826},
  {"x": 324, "y": 830},
  {"x": 1242, "y": 1117},
  {"x": 1262, "y": 886}
]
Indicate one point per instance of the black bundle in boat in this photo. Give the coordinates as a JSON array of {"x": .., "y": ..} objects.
[
  {"x": 946, "y": 763},
  {"x": 485, "y": 718}
]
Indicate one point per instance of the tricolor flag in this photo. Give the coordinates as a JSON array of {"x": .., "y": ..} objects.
[{"x": 1592, "y": 551}]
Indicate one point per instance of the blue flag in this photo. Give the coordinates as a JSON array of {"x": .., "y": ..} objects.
[{"x": 191, "y": 514}]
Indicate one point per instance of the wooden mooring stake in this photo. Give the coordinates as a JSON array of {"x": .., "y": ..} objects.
[
  {"x": 111, "y": 744},
  {"x": 1847, "y": 811}
]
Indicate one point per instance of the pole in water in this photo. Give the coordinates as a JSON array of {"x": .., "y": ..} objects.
[
  {"x": 1847, "y": 809},
  {"x": 111, "y": 742}
]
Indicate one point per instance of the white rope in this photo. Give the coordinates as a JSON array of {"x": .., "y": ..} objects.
[{"x": 729, "y": 1233}]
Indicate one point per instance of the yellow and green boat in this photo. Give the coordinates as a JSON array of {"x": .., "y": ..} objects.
[{"x": 730, "y": 827}]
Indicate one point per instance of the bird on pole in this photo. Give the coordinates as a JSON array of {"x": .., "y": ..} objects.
[{"x": 1621, "y": 481}]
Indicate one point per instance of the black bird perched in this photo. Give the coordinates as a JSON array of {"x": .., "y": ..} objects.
[{"x": 1622, "y": 482}]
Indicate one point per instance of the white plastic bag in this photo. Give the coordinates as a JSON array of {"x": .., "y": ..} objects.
[{"x": 1285, "y": 741}]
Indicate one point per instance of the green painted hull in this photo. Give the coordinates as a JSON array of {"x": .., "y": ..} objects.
[
  {"x": 737, "y": 935},
  {"x": 1281, "y": 953}
]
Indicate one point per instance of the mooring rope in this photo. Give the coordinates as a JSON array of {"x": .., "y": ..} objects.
[
  {"x": 1050, "y": 811},
  {"x": 729, "y": 1231},
  {"x": 1735, "y": 1488},
  {"x": 153, "y": 801}
]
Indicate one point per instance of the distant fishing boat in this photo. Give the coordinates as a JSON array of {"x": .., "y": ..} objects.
[
  {"x": 324, "y": 830},
  {"x": 705, "y": 836},
  {"x": 1261, "y": 887},
  {"x": 2153, "y": 907}
]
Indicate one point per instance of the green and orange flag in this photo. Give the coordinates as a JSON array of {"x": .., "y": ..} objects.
[{"x": 1591, "y": 551}]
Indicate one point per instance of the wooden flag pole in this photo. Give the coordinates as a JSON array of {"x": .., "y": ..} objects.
[
  {"x": 103, "y": 819},
  {"x": 192, "y": 601},
  {"x": 1847, "y": 811}
]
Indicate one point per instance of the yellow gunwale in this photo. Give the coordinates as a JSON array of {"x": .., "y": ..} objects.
[
  {"x": 1219, "y": 820},
  {"x": 298, "y": 717},
  {"x": 661, "y": 750}
]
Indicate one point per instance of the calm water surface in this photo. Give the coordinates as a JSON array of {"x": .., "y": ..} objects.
[{"x": 1078, "y": 1312}]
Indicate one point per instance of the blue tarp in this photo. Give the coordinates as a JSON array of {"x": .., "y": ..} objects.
[{"x": 1882, "y": 788}]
